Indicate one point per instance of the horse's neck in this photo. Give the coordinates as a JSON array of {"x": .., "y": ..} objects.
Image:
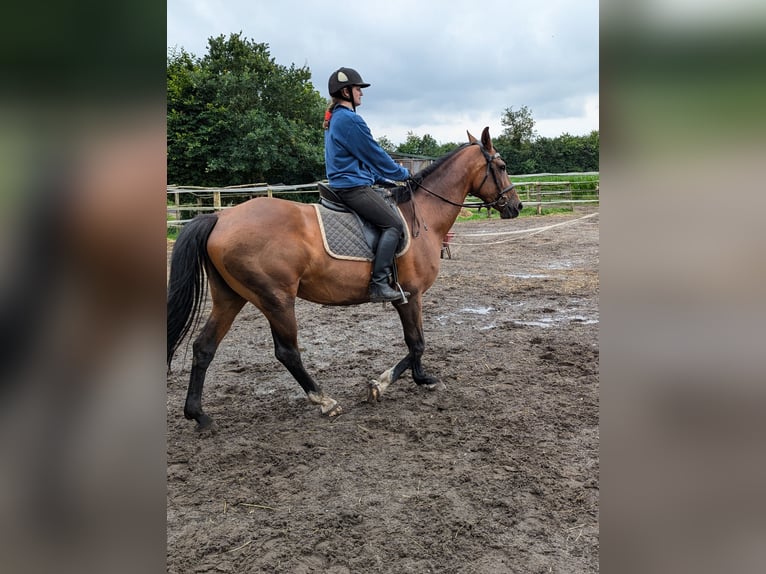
[{"x": 439, "y": 214}]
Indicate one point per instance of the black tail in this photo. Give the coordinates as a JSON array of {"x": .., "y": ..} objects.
[{"x": 187, "y": 287}]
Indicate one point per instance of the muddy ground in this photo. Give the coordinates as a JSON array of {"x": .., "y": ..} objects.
[{"x": 496, "y": 473}]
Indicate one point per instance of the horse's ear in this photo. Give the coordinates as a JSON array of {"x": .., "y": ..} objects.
[
  {"x": 486, "y": 141},
  {"x": 471, "y": 139}
]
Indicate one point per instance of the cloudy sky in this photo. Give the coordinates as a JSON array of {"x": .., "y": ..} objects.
[{"x": 436, "y": 67}]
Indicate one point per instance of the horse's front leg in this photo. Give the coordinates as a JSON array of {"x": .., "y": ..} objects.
[{"x": 412, "y": 324}]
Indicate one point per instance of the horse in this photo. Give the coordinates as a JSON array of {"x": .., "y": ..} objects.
[{"x": 269, "y": 251}]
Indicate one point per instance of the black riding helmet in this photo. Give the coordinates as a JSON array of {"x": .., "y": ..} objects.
[{"x": 342, "y": 78}]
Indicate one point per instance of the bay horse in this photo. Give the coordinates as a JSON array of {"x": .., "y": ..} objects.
[{"x": 269, "y": 251}]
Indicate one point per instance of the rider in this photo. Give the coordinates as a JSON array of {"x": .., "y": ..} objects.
[{"x": 355, "y": 162}]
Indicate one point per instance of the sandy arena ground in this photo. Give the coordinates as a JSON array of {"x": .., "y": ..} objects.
[{"x": 497, "y": 473}]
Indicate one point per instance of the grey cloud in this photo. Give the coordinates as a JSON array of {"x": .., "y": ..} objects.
[{"x": 425, "y": 60}]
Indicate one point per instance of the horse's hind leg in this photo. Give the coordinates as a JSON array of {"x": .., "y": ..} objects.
[
  {"x": 226, "y": 305},
  {"x": 412, "y": 325},
  {"x": 284, "y": 330}
]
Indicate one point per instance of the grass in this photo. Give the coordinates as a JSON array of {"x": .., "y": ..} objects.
[
  {"x": 565, "y": 177},
  {"x": 528, "y": 211}
]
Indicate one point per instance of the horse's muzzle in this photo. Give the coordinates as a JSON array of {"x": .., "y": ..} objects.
[{"x": 510, "y": 211}]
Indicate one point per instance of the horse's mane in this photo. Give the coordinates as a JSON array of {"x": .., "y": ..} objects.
[{"x": 429, "y": 169}]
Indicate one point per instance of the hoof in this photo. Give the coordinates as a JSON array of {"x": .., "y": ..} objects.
[
  {"x": 378, "y": 386},
  {"x": 204, "y": 422},
  {"x": 327, "y": 406},
  {"x": 331, "y": 411},
  {"x": 196, "y": 414},
  {"x": 374, "y": 392},
  {"x": 437, "y": 386},
  {"x": 427, "y": 381}
]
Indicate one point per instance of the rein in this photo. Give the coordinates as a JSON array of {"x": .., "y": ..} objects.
[{"x": 501, "y": 192}]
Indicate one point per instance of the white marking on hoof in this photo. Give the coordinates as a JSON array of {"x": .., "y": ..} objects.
[
  {"x": 373, "y": 392},
  {"x": 332, "y": 410},
  {"x": 436, "y": 387},
  {"x": 327, "y": 406},
  {"x": 376, "y": 387},
  {"x": 385, "y": 379}
]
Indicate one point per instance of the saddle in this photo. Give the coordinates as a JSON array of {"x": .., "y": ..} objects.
[{"x": 345, "y": 234}]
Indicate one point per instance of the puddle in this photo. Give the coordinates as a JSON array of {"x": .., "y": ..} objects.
[
  {"x": 558, "y": 320},
  {"x": 551, "y": 318},
  {"x": 528, "y": 276},
  {"x": 544, "y": 323},
  {"x": 560, "y": 265},
  {"x": 453, "y": 317},
  {"x": 582, "y": 319},
  {"x": 477, "y": 310}
]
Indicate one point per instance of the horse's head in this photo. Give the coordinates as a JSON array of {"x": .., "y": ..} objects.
[{"x": 491, "y": 183}]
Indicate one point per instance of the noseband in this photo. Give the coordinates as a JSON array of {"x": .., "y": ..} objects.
[{"x": 496, "y": 203}]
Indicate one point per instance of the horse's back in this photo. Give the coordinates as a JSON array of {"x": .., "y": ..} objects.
[
  {"x": 265, "y": 211},
  {"x": 264, "y": 233},
  {"x": 264, "y": 220}
]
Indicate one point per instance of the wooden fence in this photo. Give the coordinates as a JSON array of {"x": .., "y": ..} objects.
[
  {"x": 186, "y": 201},
  {"x": 546, "y": 193},
  {"x": 190, "y": 199}
]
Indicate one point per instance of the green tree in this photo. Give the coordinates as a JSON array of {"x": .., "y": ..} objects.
[
  {"x": 235, "y": 116},
  {"x": 519, "y": 126},
  {"x": 590, "y": 151},
  {"x": 565, "y": 153},
  {"x": 416, "y": 145},
  {"x": 516, "y": 140},
  {"x": 386, "y": 144},
  {"x": 547, "y": 155},
  {"x": 185, "y": 108},
  {"x": 525, "y": 152},
  {"x": 445, "y": 148}
]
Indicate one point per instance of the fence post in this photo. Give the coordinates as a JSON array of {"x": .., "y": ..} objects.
[
  {"x": 539, "y": 188},
  {"x": 217, "y": 199},
  {"x": 176, "y": 205}
]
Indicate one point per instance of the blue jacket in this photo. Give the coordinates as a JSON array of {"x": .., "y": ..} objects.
[{"x": 352, "y": 157}]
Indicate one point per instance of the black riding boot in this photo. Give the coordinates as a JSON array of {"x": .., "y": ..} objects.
[{"x": 380, "y": 290}]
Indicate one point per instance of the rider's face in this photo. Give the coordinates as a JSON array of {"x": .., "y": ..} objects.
[{"x": 356, "y": 95}]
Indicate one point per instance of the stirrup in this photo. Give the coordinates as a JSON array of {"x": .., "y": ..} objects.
[
  {"x": 390, "y": 294},
  {"x": 404, "y": 293},
  {"x": 394, "y": 284}
]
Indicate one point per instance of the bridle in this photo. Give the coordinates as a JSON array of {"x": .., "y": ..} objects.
[{"x": 501, "y": 192}]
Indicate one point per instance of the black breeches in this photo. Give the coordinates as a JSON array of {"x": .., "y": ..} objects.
[{"x": 371, "y": 206}]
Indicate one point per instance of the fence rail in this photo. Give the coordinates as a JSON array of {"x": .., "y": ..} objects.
[
  {"x": 557, "y": 193},
  {"x": 205, "y": 199}
]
